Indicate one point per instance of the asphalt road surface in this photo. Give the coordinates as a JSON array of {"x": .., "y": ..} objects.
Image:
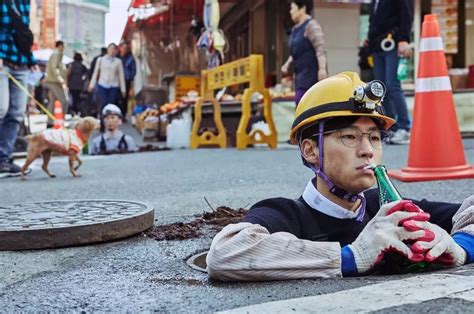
[{"x": 141, "y": 274}]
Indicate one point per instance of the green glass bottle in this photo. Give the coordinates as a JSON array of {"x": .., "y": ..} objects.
[
  {"x": 402, "y": 69},
  {"x": 388, "y": 193}
]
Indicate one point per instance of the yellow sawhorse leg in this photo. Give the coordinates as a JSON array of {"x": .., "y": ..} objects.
[
  {"x": 244, "y": 139},
  {"x": 208, "y": 138}
]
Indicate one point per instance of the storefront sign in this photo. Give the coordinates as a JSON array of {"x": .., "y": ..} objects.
[
  {"x": 48, "y": 30},
  {"x": 228, "y": 74},
  {"x": 146, "y": 11}
]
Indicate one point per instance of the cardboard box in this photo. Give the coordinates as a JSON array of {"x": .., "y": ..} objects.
[{"x": 458, "y": 81}]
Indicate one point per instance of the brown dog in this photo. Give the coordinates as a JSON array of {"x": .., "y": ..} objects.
[{"x": 64, "y": 141}]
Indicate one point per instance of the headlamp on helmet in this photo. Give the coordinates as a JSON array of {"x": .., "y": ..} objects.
[
  {"x": 367, "y": 98},
  {"x": 341, "y": 95}
]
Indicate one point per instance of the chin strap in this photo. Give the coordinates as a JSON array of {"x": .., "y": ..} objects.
[{"x": 339, "y": 192}]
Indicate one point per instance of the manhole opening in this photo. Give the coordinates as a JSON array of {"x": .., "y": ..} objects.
[{"x": 198, "y": 262}]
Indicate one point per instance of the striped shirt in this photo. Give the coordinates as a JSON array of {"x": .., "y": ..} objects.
[{"x": 8, "y": 49}]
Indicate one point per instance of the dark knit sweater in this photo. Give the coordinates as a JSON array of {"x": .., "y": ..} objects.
[{"x": 284, "y": 215}]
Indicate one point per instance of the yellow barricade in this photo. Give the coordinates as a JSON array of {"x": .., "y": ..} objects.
[{"x": 247, "y": 70}]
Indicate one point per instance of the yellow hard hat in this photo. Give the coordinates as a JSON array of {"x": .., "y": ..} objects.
[{"x": 340, "y": 95}]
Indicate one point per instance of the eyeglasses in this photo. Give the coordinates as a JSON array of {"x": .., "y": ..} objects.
[{"x": 352, "y": 136}]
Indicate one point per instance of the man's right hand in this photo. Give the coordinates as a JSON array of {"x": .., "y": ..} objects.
[
  {"x": 404, "y": 49},
  {"x": 1, "y": 64},
  {"x": 385, "y": 233}
]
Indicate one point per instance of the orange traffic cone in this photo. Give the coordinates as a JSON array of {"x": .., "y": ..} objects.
[
  {"x": 436, "y": 151},
  {"x": 58, "y": 115}
]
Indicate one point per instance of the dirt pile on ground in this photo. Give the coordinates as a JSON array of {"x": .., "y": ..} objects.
[{"x": 211, "y": 222}]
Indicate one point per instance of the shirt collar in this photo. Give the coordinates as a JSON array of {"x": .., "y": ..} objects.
[
  {"x": 319, "y": 202},
  {"x": 109, "y": 135}
]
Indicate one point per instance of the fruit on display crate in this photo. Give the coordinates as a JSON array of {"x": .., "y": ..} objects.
[
  {"x": 148, "y": 119},
  {"x": 168, "y": 107}
]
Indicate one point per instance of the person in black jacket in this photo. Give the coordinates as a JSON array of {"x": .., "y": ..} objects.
[
  {"x": 337, "y": 227},
  {"x": 93, "y": 101},
  {"x": 103, "y": 52},
  {"x": 129, "y": 70},
  {"x": 76, "y": 79},
  {"x": 388, "y": 40}
]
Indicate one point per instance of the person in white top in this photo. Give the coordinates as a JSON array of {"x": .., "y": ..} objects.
[
  {"x": 337, "y": 227},
  {"x": 110, "y": 79}
]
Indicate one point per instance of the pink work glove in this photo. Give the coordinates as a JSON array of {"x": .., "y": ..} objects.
[
  {"x": 441, "y": 249},
  {"x": 385, "y": 233}
]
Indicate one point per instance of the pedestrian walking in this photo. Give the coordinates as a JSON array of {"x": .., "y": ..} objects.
[
  {"x": 388, "y": 40},
  {"x": 77, "y": 78},
  {"x": 110, "y": 79},
  {"x": 16, "y": 60},
  {"x": 306, "y": 47},
  {"x": 130, "y": 70},
  {"x": 40, "y": 92},
  {"x": 338, "y": 227},
  {"x": 103, "y": 52},
  {"x": 56, "y": 79},
  {"x": 93, "y": 102}
]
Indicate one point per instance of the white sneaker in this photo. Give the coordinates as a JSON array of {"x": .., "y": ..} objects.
[{"x": 401, "y": 137}]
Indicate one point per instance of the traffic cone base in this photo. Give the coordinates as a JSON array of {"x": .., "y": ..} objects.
[{"x": 411, "y": 174}]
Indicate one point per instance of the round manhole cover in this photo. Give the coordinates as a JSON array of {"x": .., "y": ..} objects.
[
  {"x": 56, "y": 224},
  {"x": 198, "y": 261}
]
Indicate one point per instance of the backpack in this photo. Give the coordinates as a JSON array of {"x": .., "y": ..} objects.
[{"x": 23, "y": 37}]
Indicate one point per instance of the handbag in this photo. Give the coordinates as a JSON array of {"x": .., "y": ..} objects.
[{"x": 23, "y": 37}]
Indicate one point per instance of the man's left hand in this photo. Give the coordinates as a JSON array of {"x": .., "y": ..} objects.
[
  {"x": 34, "y": 68},
  {"x": 442, "y": 249}
]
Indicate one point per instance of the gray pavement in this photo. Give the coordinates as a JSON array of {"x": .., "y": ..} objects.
[{"x": 140, "y": 274}]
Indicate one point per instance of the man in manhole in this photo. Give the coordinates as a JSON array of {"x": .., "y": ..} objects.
[
  {"x": 337, "y": 227},
  {"x": 112, "y": 140}
]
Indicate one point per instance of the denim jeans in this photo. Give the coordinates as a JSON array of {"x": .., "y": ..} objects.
[
  {"x": 385, "y": 70},
  {"x": 12, "y": 110}
]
